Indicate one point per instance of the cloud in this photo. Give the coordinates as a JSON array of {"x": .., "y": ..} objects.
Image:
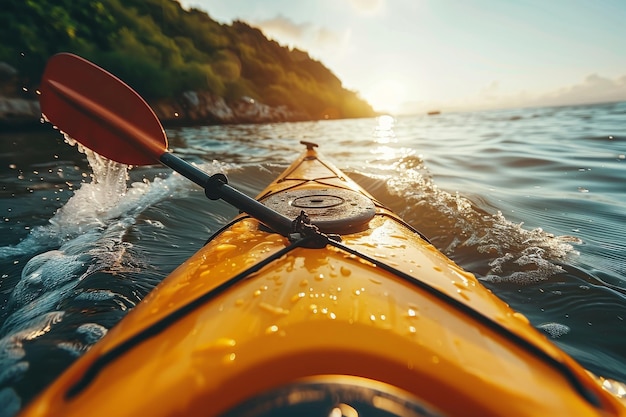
[
  {"x": 307, "y": 36},
  {"x": 327, "y": 37},
  {"x": 594, "y": 88},
  {"x": 280, "y": 27},
  {"x": 368, "y": 6}
]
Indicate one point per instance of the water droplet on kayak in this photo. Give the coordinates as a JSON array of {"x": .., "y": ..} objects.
[
  {"x": 319, "y": 277},
  {"x": 272, "y": 329},
  {"x": 521, "y": 317},
  {"x": 304, "y": 283},
  {"x": 345, "y": 271},
  {"x": 224, "y": 342},
  {"x": 463, "y": 295},
  {"x": 225, "y": 247},
  {"x": 298, "y": 296},
  {"x": 366, "y": 262},
  {"x": 218, "y": 345},
  {"x": 411, "y": 313},
  {"x": 438, "y": 269},
  {"x": 459, "y": 285},
  {"x": 239, "y": 302},
  {"x": 279, "y": 311},
  {"x": 230, "y": 358},
  {"x": 412, "y": 330},
  {"x": 616, "y": 388}
]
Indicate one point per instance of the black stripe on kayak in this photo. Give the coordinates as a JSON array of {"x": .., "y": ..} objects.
[
  {"x": 102, "y": 361},
  {"x": 315, "y": 240},
  {"x": 587, "y": 394}
]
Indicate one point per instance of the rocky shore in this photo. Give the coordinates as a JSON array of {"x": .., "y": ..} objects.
[
  {"x": 18, "y": 112},
  {"x": 19, "y": 108},
  {"x": 192, "y": 108},
  {"x": 195, "y": 108}
]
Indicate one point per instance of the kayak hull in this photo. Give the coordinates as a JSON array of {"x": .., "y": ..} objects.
[{"x": 254, "y": 312}]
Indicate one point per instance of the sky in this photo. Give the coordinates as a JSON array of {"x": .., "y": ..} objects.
[{"x": 408, "y": 56}]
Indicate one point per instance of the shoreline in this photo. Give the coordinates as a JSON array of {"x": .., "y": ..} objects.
[{"x": 191, "y": 109}]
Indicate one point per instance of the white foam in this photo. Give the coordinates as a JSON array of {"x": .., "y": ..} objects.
[
  {"x": 515, "y": 254},
  {"x": 555, "y": 330},
  {"x": 84, "y": 236},
  {"x": 91, "y": 332}
]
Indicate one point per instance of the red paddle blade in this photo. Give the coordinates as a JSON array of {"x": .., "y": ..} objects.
[{"x": 100, "y": 111}]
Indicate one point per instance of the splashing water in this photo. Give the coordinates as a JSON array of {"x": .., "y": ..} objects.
[
  {"x": 87, "y": 210},
  {"x": 86, "y": 236},
  {"x": 512, "y": 253}
]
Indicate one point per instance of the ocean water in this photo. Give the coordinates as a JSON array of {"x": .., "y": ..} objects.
[{"x": 532, "y": 201}]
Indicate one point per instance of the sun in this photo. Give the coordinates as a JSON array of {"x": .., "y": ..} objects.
[{"x": 387, "y": 95}]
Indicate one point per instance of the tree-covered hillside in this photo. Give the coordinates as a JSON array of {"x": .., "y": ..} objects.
[{"x": 162, "y": 50}]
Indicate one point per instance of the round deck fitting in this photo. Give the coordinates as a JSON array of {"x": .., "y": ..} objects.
[{"x": 332, "y": 210}]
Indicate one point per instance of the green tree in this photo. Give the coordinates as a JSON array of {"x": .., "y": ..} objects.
[{"x": 163, "y": 50}]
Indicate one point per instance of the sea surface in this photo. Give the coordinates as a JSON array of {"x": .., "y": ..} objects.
[{"x": 532, "y": 201}]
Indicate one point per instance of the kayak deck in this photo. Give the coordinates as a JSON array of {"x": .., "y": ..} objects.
[{"x": 365, "y": 302}]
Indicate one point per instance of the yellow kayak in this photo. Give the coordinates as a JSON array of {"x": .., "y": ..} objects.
[
  {"x": 354, "y": 312},
  {"x": 318, "y": 302}
]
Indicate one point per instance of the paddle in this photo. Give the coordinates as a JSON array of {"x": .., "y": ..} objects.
[{"x": 107, "y": 116}]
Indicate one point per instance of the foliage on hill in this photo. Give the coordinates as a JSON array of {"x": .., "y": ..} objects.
[{"x": 162, "y": 50}]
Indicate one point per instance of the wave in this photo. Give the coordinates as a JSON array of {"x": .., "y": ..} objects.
[
  {"x": 86, "y": 239},
  {"x": 487, "y": 244}
]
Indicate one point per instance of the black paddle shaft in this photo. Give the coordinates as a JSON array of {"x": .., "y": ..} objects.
[{"x": 216, "y": 187}]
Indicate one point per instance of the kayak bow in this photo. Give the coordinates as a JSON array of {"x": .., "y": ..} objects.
[{"x": 349, "y": 311}]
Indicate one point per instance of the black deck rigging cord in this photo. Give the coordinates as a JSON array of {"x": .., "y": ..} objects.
[{"x": 306, "y": 235}]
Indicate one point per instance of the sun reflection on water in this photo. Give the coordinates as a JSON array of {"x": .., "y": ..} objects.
[
  {"x": 385, "y": 136},
  {"x": 383, "y": 132}
]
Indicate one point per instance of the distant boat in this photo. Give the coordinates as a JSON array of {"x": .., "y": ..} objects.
[{"x": 434, "y": 113}]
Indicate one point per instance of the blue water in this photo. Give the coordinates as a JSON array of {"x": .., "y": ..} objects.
[{"x": 532, "y": 201}]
